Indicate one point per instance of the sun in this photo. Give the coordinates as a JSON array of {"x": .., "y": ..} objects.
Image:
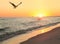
[{"x": 40, "y": 15}]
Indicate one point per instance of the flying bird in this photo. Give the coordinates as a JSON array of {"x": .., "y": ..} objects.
[{"x": 15, "y": 6}]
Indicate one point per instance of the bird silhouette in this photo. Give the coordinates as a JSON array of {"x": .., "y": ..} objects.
[{"x": 15, "y": 6}]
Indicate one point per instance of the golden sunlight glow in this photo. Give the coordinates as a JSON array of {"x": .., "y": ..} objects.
[
  {"x": 40, "y": 15},
  {"x": 49, "y": 29}
]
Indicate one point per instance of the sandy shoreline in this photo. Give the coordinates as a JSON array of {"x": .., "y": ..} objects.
[
  {"x": 20, "y": 38},
  {"x": 51, "y": 37}
]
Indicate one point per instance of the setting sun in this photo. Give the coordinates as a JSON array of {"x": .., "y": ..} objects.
[{"x": 40, "y": 15}]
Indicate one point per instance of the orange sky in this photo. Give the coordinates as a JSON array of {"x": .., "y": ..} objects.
[{"x": 29, "y": 8}]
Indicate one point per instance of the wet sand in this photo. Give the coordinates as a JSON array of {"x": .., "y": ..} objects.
[
  {"x": 21, "y": 38},
  {"x": 51, "y": 37}
]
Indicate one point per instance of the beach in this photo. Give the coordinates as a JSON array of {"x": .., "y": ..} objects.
[
  {"x": 51, "y": 37},
  {"x": 21, "y": 38}
]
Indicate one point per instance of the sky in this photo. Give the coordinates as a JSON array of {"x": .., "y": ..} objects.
[{"x": 30, "y": 8}]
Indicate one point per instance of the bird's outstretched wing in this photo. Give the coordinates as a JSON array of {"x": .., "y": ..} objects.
[
  {"x": 19, "y": 3},
  {"x": 13, "y": 4}
]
